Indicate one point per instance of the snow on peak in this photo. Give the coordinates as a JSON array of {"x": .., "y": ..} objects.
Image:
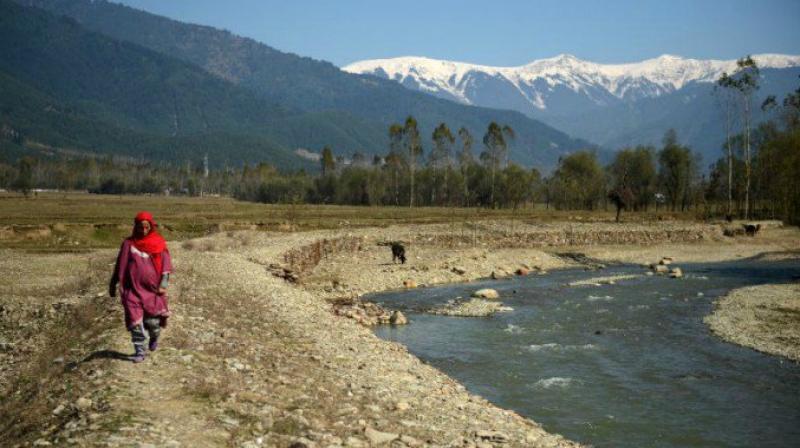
[{"x": 651, "y": 77}]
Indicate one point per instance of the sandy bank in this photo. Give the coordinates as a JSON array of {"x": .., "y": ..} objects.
[{"x": 765, "y": 318}]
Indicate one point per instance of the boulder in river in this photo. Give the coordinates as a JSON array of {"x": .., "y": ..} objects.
[
  {"x": 675, "y": 273},
  {"x": 408, "y": 283},
  {"x": 398, "y": 318},
  {"x": 486, "y": 293},
  {"x": 659, "y": 268}
]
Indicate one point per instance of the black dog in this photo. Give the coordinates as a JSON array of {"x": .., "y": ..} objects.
[
  {"x": 398, "y": 252},
  {"x": 751, "y": 230}
]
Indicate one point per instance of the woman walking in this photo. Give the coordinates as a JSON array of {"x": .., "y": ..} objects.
[{"x": 142, "y": 273}]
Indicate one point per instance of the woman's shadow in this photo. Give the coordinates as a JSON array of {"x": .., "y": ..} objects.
[{"x": 107, "y": 354}]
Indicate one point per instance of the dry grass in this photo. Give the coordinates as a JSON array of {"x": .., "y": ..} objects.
[
  {"x": 55, "y": 293},
  {"x": 80, "y": 221},
  {"x": 42, "y": 382}
]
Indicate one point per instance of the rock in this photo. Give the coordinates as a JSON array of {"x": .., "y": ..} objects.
[
  {"x": 675, "y": 273},
  {"x": 491, "y": 436},
  {"x": 499, "y": 273},
  {"x": 234, "y": 365},
  {"x": 229, "y": 421},
  {"x": 59, "y": 409},
  {"x": 659, "y": 268},
  {"x": 665, "y": 261},
  {"x": 408, "y": 283},
  {"x": 410, "y": 441},
  {"x": 486, "y": 293},
  {"x": 376, "y": 437},
  {"x": 401, "y": 406},
  {"x": 472, "y": 308},
  {"x": 522, "y": 271},
  {"x": 352, "y": 442},
  {"x": 398, "y": 318},
  {"x": 83, "y": 404},
  {"x": 459, "y": 270}
]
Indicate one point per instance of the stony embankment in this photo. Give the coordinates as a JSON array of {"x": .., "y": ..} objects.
[{"x": 765, "y": 318}]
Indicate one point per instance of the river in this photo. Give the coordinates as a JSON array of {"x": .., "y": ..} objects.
[{"x": 625, "y": 365}]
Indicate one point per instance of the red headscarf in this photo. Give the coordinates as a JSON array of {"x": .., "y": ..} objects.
[{"x": 153, "y": 243}]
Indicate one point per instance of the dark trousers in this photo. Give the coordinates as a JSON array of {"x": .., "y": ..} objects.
[{"x": 151, "y": 326}]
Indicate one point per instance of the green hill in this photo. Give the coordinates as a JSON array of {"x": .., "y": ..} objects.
[
  {"x": 65, "y": 86},
  {"x": 358, "y": 107}
]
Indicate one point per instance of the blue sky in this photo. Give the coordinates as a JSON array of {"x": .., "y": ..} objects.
[{"x": 499, "y": 32}]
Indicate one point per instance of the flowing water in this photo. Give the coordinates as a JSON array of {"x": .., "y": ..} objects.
[{"x": 630, "y": 364}]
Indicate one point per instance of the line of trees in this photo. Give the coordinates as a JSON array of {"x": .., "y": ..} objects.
[
  {"x": 759, "y": 175},
  {"x": 756, "y": 177},
  {"x": 450, "y": 175}
]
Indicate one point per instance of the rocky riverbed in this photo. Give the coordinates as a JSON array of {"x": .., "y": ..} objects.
[{"x": 257, "y": 354}]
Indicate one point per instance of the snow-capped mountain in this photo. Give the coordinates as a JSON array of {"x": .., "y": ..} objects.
[
  {"x": 611, "y": 104},
  {"x": 537, "y": 81}
]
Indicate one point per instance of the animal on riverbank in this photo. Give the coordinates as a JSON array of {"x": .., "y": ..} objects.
[
  {"x": 398, "y": 252},
  {"x": 750, "y": 229}
]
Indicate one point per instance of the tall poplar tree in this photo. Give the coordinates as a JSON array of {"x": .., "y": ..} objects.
[
  {"x": 744, "y": 82},
  {"x": 328, "y": 162},
  {"x": 725, "y": 97},
  {"x": 465, "y": 159},
  {"x": 413, "y": 147},
  {"x": 394, "y": 160},
  {"x": 496, "y": 142},
  {"x": 440, "y": 156}
]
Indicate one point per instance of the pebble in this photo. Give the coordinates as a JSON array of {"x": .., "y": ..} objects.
[
  {"x": 59, "y": 409},
  {"x": 378, "y": 438},
  {"x": 83, "y": 404}
]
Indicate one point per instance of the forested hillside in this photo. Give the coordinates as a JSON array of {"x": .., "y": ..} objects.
[
  {"x": 363, "y": 106},
  {"x": 65, "y": 86}
]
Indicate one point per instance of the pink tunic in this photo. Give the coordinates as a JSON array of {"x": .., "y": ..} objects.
[{"x": 139, "y": 285}]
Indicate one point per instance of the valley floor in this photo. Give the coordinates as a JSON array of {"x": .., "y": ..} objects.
[{"x": 251, "y": 359}]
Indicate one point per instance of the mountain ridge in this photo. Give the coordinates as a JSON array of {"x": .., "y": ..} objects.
[
  {"x": 666, "y": 71},
  {"x": 613, "y": 105}
]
